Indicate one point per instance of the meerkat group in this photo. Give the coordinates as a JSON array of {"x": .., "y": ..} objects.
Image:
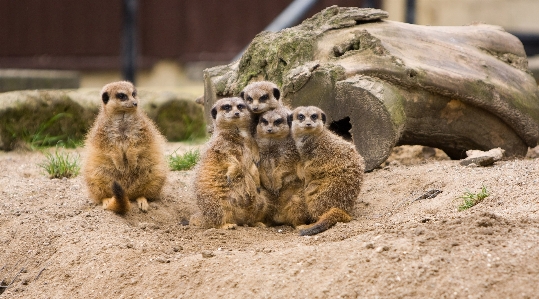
[
  {"x": 264, "y": 164},
  {"x": 308, "y": 177}
]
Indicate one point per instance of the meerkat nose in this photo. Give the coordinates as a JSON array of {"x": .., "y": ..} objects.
[{"x": 255, "y": 108}]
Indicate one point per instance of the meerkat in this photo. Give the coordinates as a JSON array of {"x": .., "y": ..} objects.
[
  {"x": 261, "y": 96},
  {"x": 331, "y": 167},
  {"x": 226, "y": 182},
  {"x": 124, "y": 152},
  {"x": 279, "y": 160}
]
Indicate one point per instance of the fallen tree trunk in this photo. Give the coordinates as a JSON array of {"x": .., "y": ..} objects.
[{"x": 385, "y": 83}]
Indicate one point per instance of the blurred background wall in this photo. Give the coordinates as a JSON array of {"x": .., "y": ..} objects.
[{"x": 177, "y": 39}]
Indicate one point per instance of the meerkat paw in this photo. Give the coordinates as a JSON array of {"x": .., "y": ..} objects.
[
  {"x": 196, "y": 219},
  {"x": 106, "y": 202},
  {"x": 260, "y": 224},
  {"x": 229, "y": 226},
  {"x": 142, "y": 204}
]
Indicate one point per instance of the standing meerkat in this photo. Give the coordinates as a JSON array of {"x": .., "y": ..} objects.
[
  {"x": 124, "y": 152},
  {"x": 332, "y": 169},
  {"x": 279, "y": 161},
  {"x": 227, "y": 182}
]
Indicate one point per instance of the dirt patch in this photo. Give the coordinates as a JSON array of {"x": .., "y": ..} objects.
[{"x": 55, "y": 243}]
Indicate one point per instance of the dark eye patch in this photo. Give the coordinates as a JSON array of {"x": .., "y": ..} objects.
[
  {"x": 301, "y": 116},
  {"x": 249, "y": 99},
  {"x": 314, "y": 116},
  {"x": 241, "y": 107},
  {"x": 134, "y": 94},
  {"x": 264, "y": 121},
  {"x": 278, "y": 121},
  {"x": 263, "y": 98},
  {"x": 226, "y": 107},
  {"x": 121, "y": 96}
]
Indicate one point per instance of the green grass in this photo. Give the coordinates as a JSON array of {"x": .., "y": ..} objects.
[
  {"x": 39, "y": 139},
  {"x": 60, "y": 164},
  {"x": 471, "y": 199},
  {"x": 185, "y": 161}
]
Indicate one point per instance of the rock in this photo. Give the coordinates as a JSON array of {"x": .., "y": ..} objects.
[
  {"x": 380, "y": 85},
  {"x": 32, "y": 115},
  {"x": 207, "y": 254},
  {"x": 481, "y": 158},
  {"x": 479, "y": 161},
  {"x": 496, "y": 153},
  {"x": 23, "y": 79},
  {"x": 381, "y": 248}
]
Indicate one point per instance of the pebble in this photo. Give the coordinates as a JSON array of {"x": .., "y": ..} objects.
[
  {"x": 207, "y": 254},
  {"x": 381, "y": 248}
]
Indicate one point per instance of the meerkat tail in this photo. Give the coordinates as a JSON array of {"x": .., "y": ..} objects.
[
  {"x": 326, "y": 221},
  {"x": 120, "y": 203}
]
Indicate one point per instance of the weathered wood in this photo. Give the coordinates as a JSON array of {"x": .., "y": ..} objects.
[{"x": 454, "y": 88}]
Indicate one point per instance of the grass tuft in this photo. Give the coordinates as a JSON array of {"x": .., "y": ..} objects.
[
  {"x": 39, "y": 139},
  {"x": 60, "y": 165},
  {"x": 471, "y": 199},
  {"x": 185, "y": 161}
]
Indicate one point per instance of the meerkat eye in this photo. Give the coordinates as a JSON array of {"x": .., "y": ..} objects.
[
  {"x": 278, "y": 121},
  {"x": 263, "y": 98},
  {"x": 134, "y": 94},
  {"x": 226, "y": 107},
  {"x": 264, "y": 121},
  {"x": 301, "y": 116},
  {"x": 314, "y": 117},
  {"x": 241, "y": 107},
  {"x": 249, "y": 99},
  {"x": 121, "y": 96}
]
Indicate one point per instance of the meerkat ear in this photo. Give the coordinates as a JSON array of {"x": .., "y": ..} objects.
[
  {"x": 105, "y": 97},
  {"x": 324, "y": 118},
  {"x": 242, "y": 93},
  {"x": 214, "y": 112},
  {"x": 289, "y": 119},
  {"x": 276, "y": 93}
]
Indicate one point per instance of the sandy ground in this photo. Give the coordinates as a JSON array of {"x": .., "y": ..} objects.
[{"x": 56, "y": 243}]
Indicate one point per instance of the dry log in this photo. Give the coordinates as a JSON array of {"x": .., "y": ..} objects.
[{"x": 384, "y": 83}]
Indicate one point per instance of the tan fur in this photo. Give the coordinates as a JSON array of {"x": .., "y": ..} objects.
[
  {"x": 279, "y": 161},
  {"x": 123, "y": 146},
  {"x": 262, "y": 96},
  {"x": 227, "y": 182},
  {"x": 332, "y": 169}
]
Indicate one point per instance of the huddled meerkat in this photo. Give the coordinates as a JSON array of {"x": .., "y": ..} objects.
[
  {"x": 331, "y": 167},
  {"x": 279, "y": 160},
  {"x": 227, "y": 182},
  {"x": 261, "y": 96},
  {"x": 124, "y": 152}
]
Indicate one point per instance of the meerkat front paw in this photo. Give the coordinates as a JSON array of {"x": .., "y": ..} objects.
[
  {"x": 229, "y": 226},
  {"x": 260, "y": 224},
  {"x": 106, "y": 202},
  {"x": 142, "y": 204}
]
